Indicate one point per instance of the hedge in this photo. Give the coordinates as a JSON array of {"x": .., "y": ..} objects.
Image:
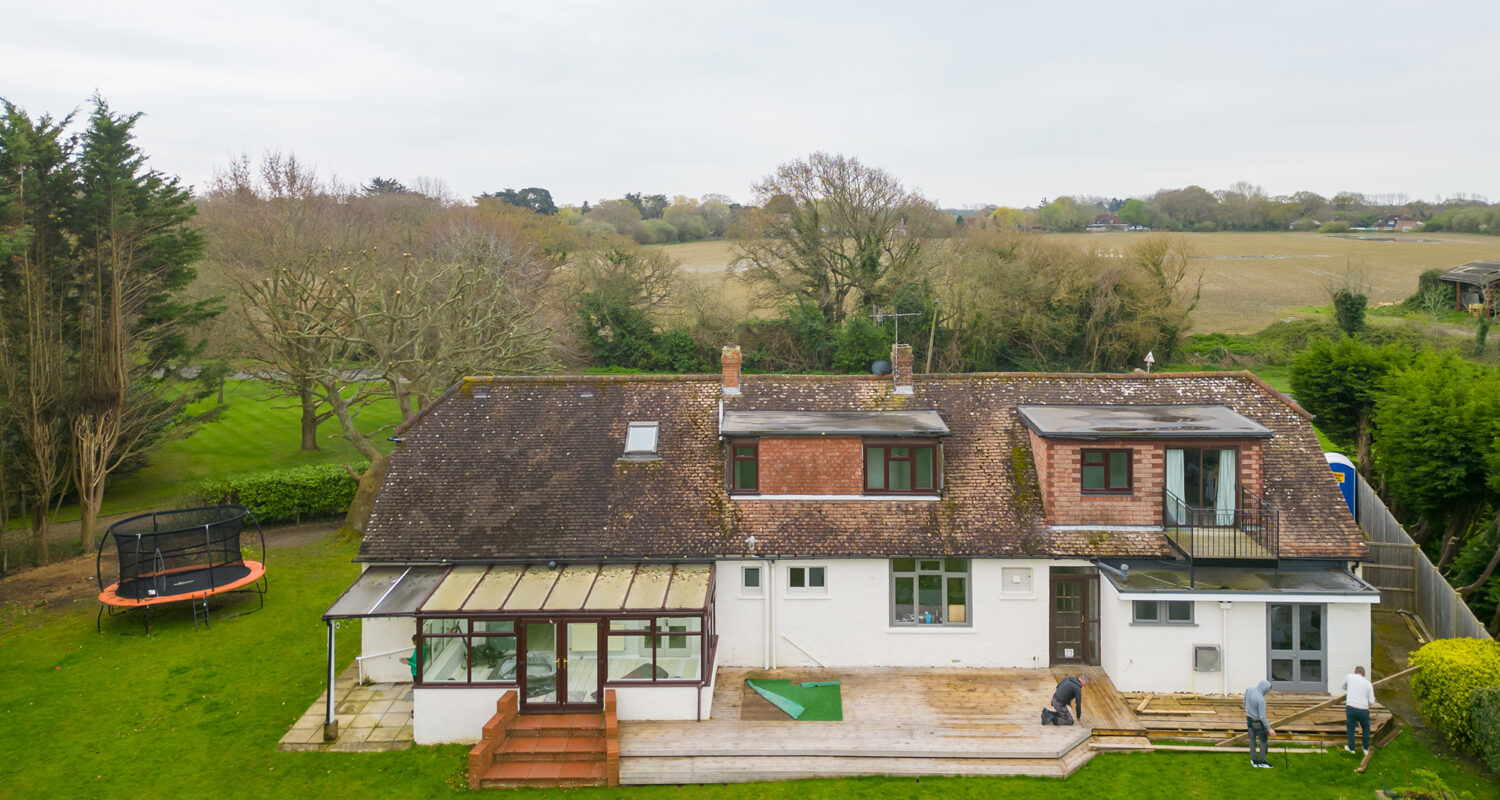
[
  {"x": 1485, "y": 714},
  {"x": 1452, "y": 671},
  {"x": 286, "y": 495}
]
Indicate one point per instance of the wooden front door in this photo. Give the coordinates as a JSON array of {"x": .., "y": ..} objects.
[
  {"x": 1075, "y": 618},
  {"x": 561, "y": 658}
]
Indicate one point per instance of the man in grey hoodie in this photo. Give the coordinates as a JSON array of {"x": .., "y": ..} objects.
[{"x": 1260, "y": 727}]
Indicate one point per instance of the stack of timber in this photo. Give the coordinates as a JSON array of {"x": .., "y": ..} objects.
[{"x": 1211, "y": 718}]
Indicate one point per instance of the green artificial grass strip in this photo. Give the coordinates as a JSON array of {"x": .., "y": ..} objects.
[{"x": 818, "y": 701}]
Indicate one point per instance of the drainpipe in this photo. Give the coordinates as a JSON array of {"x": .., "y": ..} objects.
[
  {"x": 330, "y": 725},
  {"x": 1223, "y": 643},
  {"x": 770, "y": 615}
]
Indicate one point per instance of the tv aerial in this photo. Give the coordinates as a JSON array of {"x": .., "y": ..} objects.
[{"x": 881, "y": 316}]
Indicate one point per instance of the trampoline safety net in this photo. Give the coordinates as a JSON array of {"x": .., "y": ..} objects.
[{"x": 163, "y": 552}]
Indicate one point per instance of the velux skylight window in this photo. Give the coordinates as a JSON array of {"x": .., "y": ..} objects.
[{"x": 640, "y": 439}]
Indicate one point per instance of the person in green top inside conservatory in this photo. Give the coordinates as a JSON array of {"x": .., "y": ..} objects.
[{"x": 412, "y": 659}]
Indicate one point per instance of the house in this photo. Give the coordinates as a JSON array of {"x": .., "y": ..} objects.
[
  {"x": 1474, "y": 286},
  {"x": 1396, "y": 222},
  {"x": 1106, "y": 222},
  {"x": 559, "y": 535}
]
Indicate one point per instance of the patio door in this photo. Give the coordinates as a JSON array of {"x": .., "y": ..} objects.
[
  {"x": 1075, "y": 616},
  {"x": 562, "y": 666},
  {"x": 1298, "y": 647}
]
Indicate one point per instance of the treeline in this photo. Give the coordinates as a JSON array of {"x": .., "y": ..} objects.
[
  {"x": 1246, "y": 207},
  {"x": 1424, "y": 428}
]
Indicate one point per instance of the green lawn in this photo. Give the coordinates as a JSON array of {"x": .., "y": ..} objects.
[
  {"x": 185, "y": 713},
  {"x": 255, "y": 432}
]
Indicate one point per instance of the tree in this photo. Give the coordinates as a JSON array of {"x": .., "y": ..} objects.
[
  {"x": 1009, "y": 218},
  {"x": 650, "y": 206},
  {"x": 385, "y": 186},
  {"x": 38, "y": 182},
  {"x": 135, "y": 251},
  {"x": 1437, "y": 420},
  {"x": 833, "y": 233},
  {"x": 1065, "y": 215},
  {"x": 533, "y": 197},
  {"x": 1339, "y": 382},
  {"x": 1133, "y": 212}
]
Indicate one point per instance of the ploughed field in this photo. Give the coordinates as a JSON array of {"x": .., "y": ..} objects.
[{"x": 1250, "y": 280}]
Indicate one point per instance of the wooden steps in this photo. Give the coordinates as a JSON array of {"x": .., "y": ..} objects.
[
  {"x": 546, "y": 750},
  {"x": 744, "y": 769}
]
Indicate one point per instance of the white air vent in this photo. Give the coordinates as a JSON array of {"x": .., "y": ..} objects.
[{"x": 1206, "y": 658}]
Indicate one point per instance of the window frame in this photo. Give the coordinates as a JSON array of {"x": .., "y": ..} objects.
[
  {"x": 759, "y": 589},
  {"x": 654, "y": 427},
  {"x": 912, "y": 445},
  {"x": 807, "y": 589},
  {"x": 661, "y": 640},
  {"x": 943, "y": 574},
  {"x": 1105, "y": 453},
  {"x": 734, "y": 459},
  {"x": 1163, "y": 613}
]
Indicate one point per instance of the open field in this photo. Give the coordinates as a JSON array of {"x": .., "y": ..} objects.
[
  {"x": 185, "y": 713},
  {"x": 1249, "y": 279}
]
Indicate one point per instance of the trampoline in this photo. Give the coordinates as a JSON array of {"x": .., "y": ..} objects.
[{"x": 185, "y": 555}]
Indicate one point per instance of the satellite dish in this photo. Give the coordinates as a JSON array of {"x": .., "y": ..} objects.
[{"x": 880, "y": 368}]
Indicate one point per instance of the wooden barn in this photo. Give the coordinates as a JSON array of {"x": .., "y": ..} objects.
[{"x": 1474, "y": 286}]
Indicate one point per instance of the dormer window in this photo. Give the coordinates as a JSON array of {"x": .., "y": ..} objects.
[
  {"x": 901, "y": 467},
  {"x": 640, "y": 439}
]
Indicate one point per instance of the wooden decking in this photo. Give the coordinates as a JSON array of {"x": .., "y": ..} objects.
[
  {"x": 1199, "y": 717},
  {"x": 896, "y": 722}
]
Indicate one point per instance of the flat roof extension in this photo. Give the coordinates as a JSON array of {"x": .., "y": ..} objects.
[{"x": 1145, "y": 421}]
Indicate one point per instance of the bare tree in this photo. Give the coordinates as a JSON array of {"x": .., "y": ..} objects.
[{"x": 829, "y": 232}]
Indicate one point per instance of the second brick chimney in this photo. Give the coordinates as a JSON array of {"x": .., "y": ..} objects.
[
  {"x": 901, "y": 368},
  {"x": 729, "y": 361}
]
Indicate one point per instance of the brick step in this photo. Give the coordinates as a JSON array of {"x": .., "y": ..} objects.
[
  {"x": 554, "y": 725},
  {"x": 540, "y": 773},
  {"x": 551, "y": 748}
]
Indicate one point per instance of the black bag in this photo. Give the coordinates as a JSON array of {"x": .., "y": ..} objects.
[{"x": 1049, "y": 717}]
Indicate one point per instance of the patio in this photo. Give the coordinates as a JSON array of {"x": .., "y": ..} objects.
[
  {"x": 372, "y": 718},
  {"x": 896, "y": 722}
]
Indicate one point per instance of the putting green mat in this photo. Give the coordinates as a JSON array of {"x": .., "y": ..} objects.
[{"x": 814, "y": 701}]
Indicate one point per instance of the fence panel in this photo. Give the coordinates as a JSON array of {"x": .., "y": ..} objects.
[{"x": 1405, "y": 576}]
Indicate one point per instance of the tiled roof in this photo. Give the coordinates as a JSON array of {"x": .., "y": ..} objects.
[{"x": 528, "y": 468}]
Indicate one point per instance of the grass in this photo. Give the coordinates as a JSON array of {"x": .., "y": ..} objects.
[
  {"x": 255, "y": 432},
  {"x": 1251, "y": 280},
  {"x": 190, "y": 713}
]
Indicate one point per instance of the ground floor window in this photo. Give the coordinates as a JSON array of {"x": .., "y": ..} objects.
[
  {"x": 468, "y": 651},
  {"x": 930, "y": 591},
  {"x": 1162, "y": 612},
  {"x": 655, "y": 649}
]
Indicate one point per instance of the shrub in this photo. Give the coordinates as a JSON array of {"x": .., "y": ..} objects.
[
  {"x": 1484, "y": 714},
  {"x": 1452, "y": 671},
  {"x": 1427, "y": 785},
  {"x": 1336, "y": 226},
  {"x": 286, "y": 495}
]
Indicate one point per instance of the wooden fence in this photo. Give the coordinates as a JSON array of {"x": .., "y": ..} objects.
[{"x": 1406, "y": 578}]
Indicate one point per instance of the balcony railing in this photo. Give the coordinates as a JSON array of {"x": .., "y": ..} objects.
[{"x": 1249, "y": 532}]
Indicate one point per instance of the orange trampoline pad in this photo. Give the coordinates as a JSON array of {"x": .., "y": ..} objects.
[{"x": 111, "y": 597}]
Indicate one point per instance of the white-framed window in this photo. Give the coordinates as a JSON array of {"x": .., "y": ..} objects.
[
  {"x": 1015, "y": 580},
  {"x": 806, "y": 580},
  {"x": 750, "y": 581},
  {"x": 640, "y": 439},
  {"x": 1162, "y": 612}
]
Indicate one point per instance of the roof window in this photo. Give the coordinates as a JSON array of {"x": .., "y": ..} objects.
[{"x": 640, "y": 439}]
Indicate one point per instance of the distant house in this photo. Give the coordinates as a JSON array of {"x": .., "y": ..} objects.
[
  {"x": 1106, "y": 222},
  {"x": 1397, "y": 223},
  {"x": 1474, "y": 285},
  {"x": 564, "y": 536}
]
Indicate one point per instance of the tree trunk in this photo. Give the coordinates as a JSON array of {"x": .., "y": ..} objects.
[
  {"x": 1450, "y": 543},
  {"x": 39, "y": 532},
  {"x": 364, "y": 499},
  {"x": 309, "y": 419},
  {"x": 1362, "y": 458}
]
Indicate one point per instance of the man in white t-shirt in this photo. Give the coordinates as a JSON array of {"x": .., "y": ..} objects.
[{"x": 1359, "y": 695}]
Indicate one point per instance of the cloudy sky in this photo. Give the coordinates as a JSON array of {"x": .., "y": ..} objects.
[{"x": 971, "y": 103}]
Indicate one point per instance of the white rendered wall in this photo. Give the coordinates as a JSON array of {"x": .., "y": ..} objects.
[
  {"x": 849, "y": 624},
  {"x": 447, "y": 716},
  {"x": 381, "y": 635},
  {"x": 1159, "y": 658}
]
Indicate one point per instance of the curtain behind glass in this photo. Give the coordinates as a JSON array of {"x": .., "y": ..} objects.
[
  {"x": 1175, "y": 512},
  {"x": 1225, "y": 501}
]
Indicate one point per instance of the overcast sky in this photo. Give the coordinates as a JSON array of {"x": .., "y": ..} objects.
[{"x": 970, "y": 103}]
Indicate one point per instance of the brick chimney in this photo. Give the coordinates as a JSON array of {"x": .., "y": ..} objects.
[
  {"x": 901, "y": 368},
  {"x": 729, "y": 361}
]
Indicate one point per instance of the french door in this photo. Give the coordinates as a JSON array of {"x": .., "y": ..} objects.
[
  {"x": 562, "y": 666},
  {"x": 1298, "y": 647},
  {"x": 1075, "y": 618}
]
